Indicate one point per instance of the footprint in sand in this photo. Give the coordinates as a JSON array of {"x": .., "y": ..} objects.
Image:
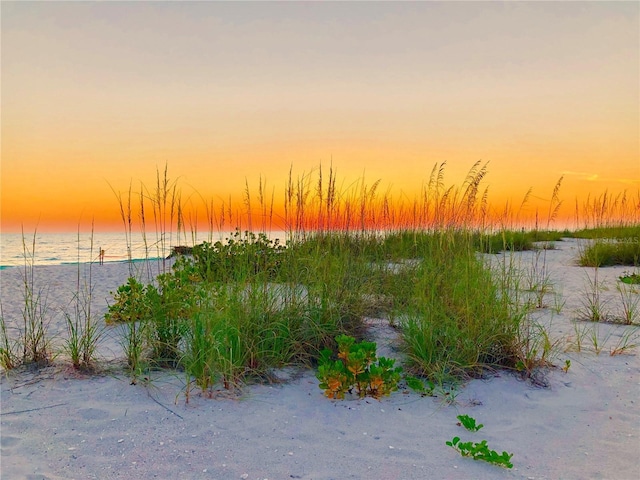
[
  {"x": 8, "y": 442},
  {"x": 93, "y": 414}
]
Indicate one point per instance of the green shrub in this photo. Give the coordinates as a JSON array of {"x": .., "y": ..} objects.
[
  {"x": 228, "y": 313},
  {"x": 131, "y": 303},
  {"x": 241, "y": 256}
]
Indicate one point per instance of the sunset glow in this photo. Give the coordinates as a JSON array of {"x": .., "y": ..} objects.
[{"x": 96, "y": 97}]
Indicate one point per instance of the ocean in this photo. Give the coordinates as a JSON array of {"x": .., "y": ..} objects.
[
  {"x": 71, "y": 248},
  {"x": 65, "y": 248}
]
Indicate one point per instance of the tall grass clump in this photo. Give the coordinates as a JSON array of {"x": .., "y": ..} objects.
[
  {"x": 34, "y": 339},
  {"x": 630, "y": 301},
  {"x": 229, "y": 310},
  {"x": 455, "y": 322},
  {"x": 462, "y": 316},
  {"x": 610, "y": 237},
  {"x": 611, "y": 229},
  {"x": 606, "y": 252},
  {"x": 84, "y": 331}
]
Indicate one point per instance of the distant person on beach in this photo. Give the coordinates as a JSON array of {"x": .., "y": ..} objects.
[{"x": 101, "y": 256}]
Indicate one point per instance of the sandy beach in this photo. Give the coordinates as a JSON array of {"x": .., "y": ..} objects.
[{"x": 584, "y": 424}]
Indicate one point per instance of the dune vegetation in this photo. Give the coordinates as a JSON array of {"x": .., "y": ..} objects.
[{"x": 226, "y": 311}]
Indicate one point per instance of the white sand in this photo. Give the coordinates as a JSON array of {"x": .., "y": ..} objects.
[{"x": 584, "y": 425}]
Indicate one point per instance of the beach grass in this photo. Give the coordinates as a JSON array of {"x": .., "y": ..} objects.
[
  {"x": 9, "y": 357},
  {"x": 611, "y": 230},
  {"x": 34, "y": 340},
  {"x": 228, "y": 311},
  {"x": 84, "y": 330},
  {"x": 606, "y": 252},
  {"x": 239, "y": 308}
]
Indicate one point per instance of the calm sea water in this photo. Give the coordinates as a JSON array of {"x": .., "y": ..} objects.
[
  {"x": 65, "y": 248},
  {"x": 62, "y": 248}
]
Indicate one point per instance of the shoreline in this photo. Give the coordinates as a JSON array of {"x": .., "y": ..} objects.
[{"x": 93, "y": 263}]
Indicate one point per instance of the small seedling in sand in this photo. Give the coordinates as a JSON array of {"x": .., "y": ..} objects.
[
  {"x": 450, "y": 395},
  {"x": 480, "y": 451},
  {"x": 630, "y": 301},
  {"x": 628, "y": 341},
  {"x": 594, "y": 308},
  {"x": 567, "y": 366},
  {"x": 597, "y": 341},
  {"x": 469, "y": 423},
  {"x": 357, "y": 369},
  {"x": 558, "y": 303},
  {"x": 537, "y": 350},
  {"x": 580, "y": 335}
]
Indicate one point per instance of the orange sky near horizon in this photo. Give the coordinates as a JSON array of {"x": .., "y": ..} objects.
[{"x": 96, "y": 96}]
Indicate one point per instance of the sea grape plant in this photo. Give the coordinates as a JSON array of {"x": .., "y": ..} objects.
[
  {"x": 480, "y": 451},
  {"x": 469, "y": 423},
  {"x": 356, "y": 370},
  {"x": 475, "y": 450}
]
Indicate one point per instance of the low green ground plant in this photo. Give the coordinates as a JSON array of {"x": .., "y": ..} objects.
[
  {"x": 469, "y": 423},
  {"x": 130, "y": 303},
  {"x": 478, "y": 450},
  {"x": 630, "y": 278},
  {"x": 481, "y": 451}
]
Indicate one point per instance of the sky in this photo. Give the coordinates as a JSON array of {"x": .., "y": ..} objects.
[{"x": 97, "y": 96}]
